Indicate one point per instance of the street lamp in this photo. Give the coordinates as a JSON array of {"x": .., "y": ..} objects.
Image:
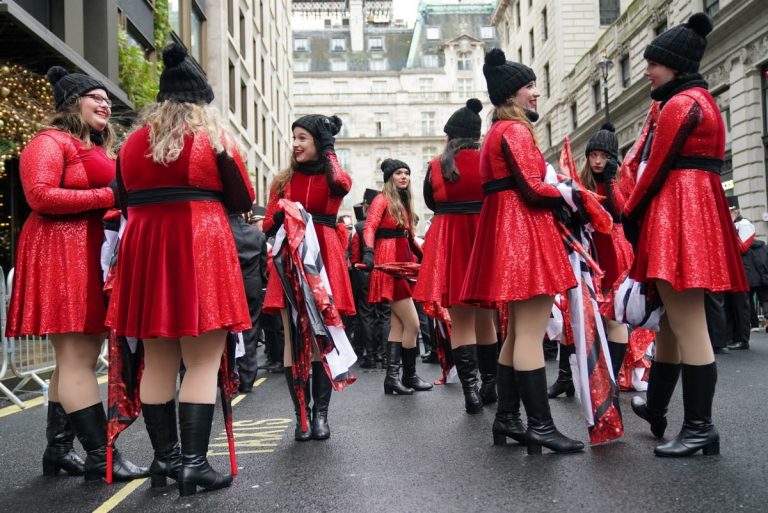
[{"x": 604, "y": 67}]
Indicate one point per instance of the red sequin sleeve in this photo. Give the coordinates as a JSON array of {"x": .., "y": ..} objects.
[
  {"x": 614, "y": 199},
  {"x": 677, "y": 120},
  {"x": 42, "y": 168},
  {"x": 270, "y": 210},
  {"x": 373, "y": 220},
  {"x": 631, "y": 163},
  {"x": 339, "y": 181},
  {"x": 525, "y": 166}
]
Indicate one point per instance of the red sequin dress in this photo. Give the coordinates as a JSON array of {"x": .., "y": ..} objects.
[
  {"x": 385, "y": 287},
  {"x": 57, "y": 285},
  {"x": 448, "y": 243},
  {"x": 518, "y": 252},
  {"x": 319, "y": 195},
  {"x": 687, "y": 237},
  {"x": 614, "y": 252},
  {"x": 178, "y": 272}
]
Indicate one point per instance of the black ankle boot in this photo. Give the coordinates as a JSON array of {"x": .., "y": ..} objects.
[
  {"x": 507, "y": 422},
  {"x": 698, "y": 432},
  {"x": 564, "y": 383},
  {"x": 298, "y": 434},
  {"x": 465, "y": 359},
  {"x": 487, "y": 363},
  {"x": 195, "y": 426},
  {"x": 541, "y": 428},
  {"x": 60, "y": 453},
  {"x": 160, "y": 420},
  {"x": 617, "y": 351},
  {"x": 321, "y": 398},
  {"x": 662, "y": 379},
  {"x": 392, "y": 383},
  {"x": 410, "y": 378},
  {"x": 90, "y": 425}
]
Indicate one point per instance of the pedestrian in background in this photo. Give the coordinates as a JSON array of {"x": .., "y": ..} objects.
[
  {"x": 178, "y": 285},
  {"x": 738, "y": 304},
  {"x": 66, "y": 171}
]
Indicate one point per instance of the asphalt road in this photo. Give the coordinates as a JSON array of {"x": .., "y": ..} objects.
[{"x": 424, "y": 454}]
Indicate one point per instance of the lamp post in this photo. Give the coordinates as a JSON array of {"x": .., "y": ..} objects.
[{"x": 604, "y": 67}]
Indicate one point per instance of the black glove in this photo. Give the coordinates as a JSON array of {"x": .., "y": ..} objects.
[
  {"x": 325, "y": 135},
  {"x": 609, "y": 171},
  {"x": 631, "y": 230},
  {"x": 368, "y": 259},
  {"x": 113, "y": 185},
  {"x": 278, "y": 217}
]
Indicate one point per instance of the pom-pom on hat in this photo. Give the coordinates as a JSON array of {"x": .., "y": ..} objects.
[
  {"x": 389, "y": 166},
  {"x": 466, "y": 121},
  {"x": 68, "y": 87},
  {"x": 181, "y": 80},
  {"x": 605, "y": 140},
  {"x": 504, "y": 78},
  {"x": 682, "y": 47},
  {"x": 315, "y": 123}
]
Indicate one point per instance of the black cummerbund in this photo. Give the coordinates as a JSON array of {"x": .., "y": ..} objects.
[
  {"x": 710, "y": 164},
  {"x": 501, "y": 184},
  {"x": 141, "y": 197},
  {"x": 389, "y": 233},
  {"x": 459, "y": 207},
  {"x": 328, "y": 220}
]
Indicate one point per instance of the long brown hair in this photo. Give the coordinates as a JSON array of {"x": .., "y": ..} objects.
[
  {"x": 70, "y": 120},
  {"x": 509, "y": 110},
  {"x": 282, "y": 178},
  {"x": 448, "y": 157},
  {"x": 587, "y": 177},
  {"x": 398, "y": 206}
]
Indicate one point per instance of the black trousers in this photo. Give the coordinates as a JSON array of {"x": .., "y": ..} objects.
[
  {"x": 274, "y": 344},
  {"x": 380, "y": 326},
  {"x": 737, "y": 316},
  {"x": 247, "y": 364},
  {"x": 714, "y": 308},
  {"x": 365, "y": 324}
]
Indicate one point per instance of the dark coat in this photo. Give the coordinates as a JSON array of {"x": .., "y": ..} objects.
[
  {"x": 252, "y": 252},
  {"x": 756, "y": 264}
]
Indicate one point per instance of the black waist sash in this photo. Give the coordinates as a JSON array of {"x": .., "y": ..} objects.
[
  {"x": 389, "y": 233},
  {"x": 500, "y": 184},
  {"x": 328, "y": 220},
  {"x": 710, "y": 164},
  {"x": 141, "y": 197},
  {"x": 459, "y": 207}
]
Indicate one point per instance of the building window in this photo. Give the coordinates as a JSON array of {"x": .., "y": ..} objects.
[
  {"x": 232, "y": 100},
  {"x": 661, "y": 27},
  {"x": 711, "y": 7},
  {"x": 338, "y": 65},
  {"x": 242, "y": 31},
  {"x": 530, "y": 3},
  {"x": 375, "y": 44},
  {"x": 196, "y": 34},
  {"x": 301, "y": 66},
  {"x": 340, "y": 89},
  {"x": 544, "y": 25},
  {"x": 427, "y": 154},
  {"x": 427, "y": 123},
  {"x": 574, "y": 116},
  {"x": 547, "y": 81},
  {"x": 426, "y": 85},
  {"x": 596, "y": 96},
  {"x": 174, "y": 16},
  {"x": 343, "y": 155},
  {"x": 625, "y": 71},
  {"x": 381, "y": 124},
  {"x": 301, "y": 87},
  {"x": 464, "y": 86},
  {"x": 517, "y": 14},
  {"x": 230, "y": 15},
  {"x": 430, "y": 61},
  {"x": 433, "y": 33},
  {"x": 464, "y": 62},
  {"x": 520, "y": 54},
  {"x": 531, "y": 42},
  {"x": 338, "y": 44},
  {"x": 549, "y": 134},
  {"x": 377, "y": 64},
  {"x": 609, "y": 11},
  {"x": 243, "y": 105},
  {"x": 379, "y": 86},
  {"x": 300, "y": 45},
  {"x": 487, "y": 32}
]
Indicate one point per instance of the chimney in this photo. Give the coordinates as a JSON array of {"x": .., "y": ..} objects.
[{"x": 356, "y": 25}]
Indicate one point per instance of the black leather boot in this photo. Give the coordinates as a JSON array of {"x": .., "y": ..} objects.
[
  {"x": 195, "y": 422},
  {"x": 698, "y": 432},
  {"x": 487, "y": 363},
  {"x": 160, "y": 420},
  {"x": 392, "y": 383},
  {"x": 507, "y": 422},
  {"x": 541, "y": 428},
  {"x": 60, "y": 453},
  {"x": 662, "y": 379},
  {"x": 410, "y": 378},
  {"x": 321, "y": 398},
  {"x": 618, "y": 351},
  {"x": 90, "y": 425},
  {"x": 298, "y": 434},
  {"x": 564, "y": 382},
  {"x": 465, "y": 359}
]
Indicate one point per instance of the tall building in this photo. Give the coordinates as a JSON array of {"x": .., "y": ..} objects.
[
  {"x": 394, "y": 86},
  {"x": 735, "y": 65}
]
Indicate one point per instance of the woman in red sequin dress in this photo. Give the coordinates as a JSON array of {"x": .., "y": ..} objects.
[
  {"x": 388, "y": 238},
  {"x": 518, "y": 257},
  {"x": 178, "y": 285},
  {"x": 317, "y": 181},
  {"x": 66, "y": 171},
  {"x": 678, "y": 220},
  {"x": 453, "y": 190}
]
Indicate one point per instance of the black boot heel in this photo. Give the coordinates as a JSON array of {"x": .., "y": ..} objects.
[
  {"x": 712, "y": 449},
  {"x": 298, "y": 434},
  {"x": 187, "y": 489},
  {"x": 392, "y": 383},
  {"x": 321, "y": 398},
  {"x": 160, "y": 420},
  {"x": 499, "y": 439},
  {"x": 158, "y": 481},
  {"x": 60, "y": 454}
]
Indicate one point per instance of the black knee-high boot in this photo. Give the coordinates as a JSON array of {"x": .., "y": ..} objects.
[
  {"x": 321, "y": 398},
  {"x": 541, "y": 428},
  {"x": 60, "y": 453},
  {"x": 90, "y": 425},
  {"x": 410, "y": 378},
  {"x": 160, "y": 420},
  {"x": 465, "y": 359},
  {"x": 487, "y": 364},
  {"x": 564, "y": 383},
  {"x": 662, "y": 379},
  {"x": 698, "y": 432},
  {"x": 298, "y": 434},
  {"x": 392, "y": 382},
  {"x": 507, "y": 422},
  {"x": 195, "y": 422}
]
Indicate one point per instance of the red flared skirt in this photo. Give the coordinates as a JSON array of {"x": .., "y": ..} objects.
[
  {"x": 384, "y": 287},
  {"x": 614, "y": 254}
]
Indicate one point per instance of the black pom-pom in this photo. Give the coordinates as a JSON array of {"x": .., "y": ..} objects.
[
  {"x": 174, "y": 54},
  {"x": 335, "y": 124},
  {"x": 474, "y": 105},
  {"x": 56, "y": 73},
  {"x": 609, "y": 127},
  {"x": 495, "y": 57},
  {"x": 700, "y": 23}
]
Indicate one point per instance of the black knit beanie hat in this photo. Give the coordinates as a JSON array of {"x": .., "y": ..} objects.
[
  {"x": 315, "y": 123},
  {"x": 605, "y": 140},
  {"x": 68, "y": 87},
  {"x": 181, "y": 80},
  {"x": 504, "y": 77},
  {"x": 682, "y": 47},
  {"x": 389, "y": 166},
  {"x": 466, "y": 121}
]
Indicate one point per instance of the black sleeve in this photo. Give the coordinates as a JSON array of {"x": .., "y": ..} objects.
[
  {"x": 236, "y": 195},
  {"x": 429, "y": 198},
  {"x": 122, "y": 193}
]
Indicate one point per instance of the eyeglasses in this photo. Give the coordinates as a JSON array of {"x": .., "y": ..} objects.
[{"x": 99, "y": 99}]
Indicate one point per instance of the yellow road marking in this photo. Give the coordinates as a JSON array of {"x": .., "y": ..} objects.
[
  {"x": 117, "y": 498},
  {"x": 37, "y": 401}
]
